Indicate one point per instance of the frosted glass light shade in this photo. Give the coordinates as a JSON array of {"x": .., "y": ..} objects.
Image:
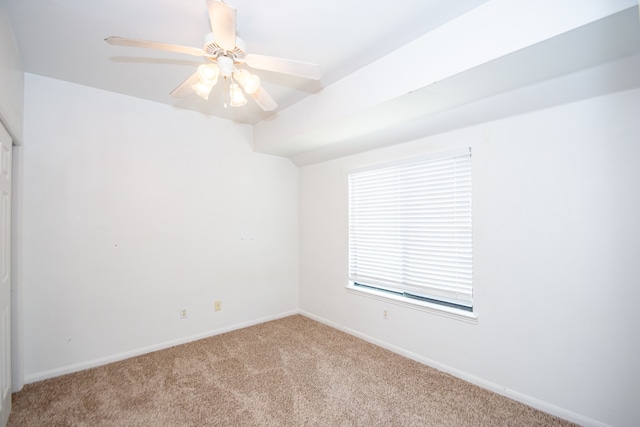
[
  {"x": 208, "y": 73},
  {"x": 202, "y": 89},
  {"x": 207, "y": 78},
  {"x": 250, "y": 82},
  {"x": 237, "y": 99}
]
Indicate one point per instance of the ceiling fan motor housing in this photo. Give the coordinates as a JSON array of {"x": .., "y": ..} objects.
[{"x": 212, "y": 48}]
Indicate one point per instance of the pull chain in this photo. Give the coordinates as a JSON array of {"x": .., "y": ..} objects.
[{"x": 226, "y": 92}]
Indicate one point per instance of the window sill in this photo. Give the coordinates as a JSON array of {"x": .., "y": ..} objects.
[{"x": 428, "y": 307}]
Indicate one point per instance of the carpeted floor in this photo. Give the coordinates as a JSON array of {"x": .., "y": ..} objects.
[{"x": 288, "y": 372}]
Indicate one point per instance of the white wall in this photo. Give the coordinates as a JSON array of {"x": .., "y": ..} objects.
[
  {"x": 11, "y": 79},
  {"x": 556, "y": 247},
  {"x": 133, "y": 210}
]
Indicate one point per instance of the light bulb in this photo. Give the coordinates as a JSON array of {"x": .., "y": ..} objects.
[{"x": 237, "y": 99}]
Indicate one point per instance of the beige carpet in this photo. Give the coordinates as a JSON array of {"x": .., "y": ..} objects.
[{"x": 288, "y": 372}]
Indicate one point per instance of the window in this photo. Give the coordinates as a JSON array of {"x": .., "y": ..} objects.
[{"x": 410, "y": 229}]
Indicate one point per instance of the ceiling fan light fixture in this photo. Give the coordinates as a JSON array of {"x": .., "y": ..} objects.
[
  {"x": 236, "y": 98},
  {"x": 208, "y": 73},
  {"x": 202, "y": 89},
  {"x": 250, "y": 82}
]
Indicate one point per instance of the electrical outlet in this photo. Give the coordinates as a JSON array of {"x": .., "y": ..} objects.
[
  {"x": 385, "y": 313},
  {"x": 217, "y": 306},
  {"x": 183, "y": 313}
]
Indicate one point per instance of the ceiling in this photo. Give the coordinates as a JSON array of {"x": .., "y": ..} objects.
[
  {"x": 64, "y": 39},
  {"x": 391, "y": 71}
]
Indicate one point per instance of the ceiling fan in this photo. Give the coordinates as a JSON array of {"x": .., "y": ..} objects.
[{"x": 225, "y": 51}]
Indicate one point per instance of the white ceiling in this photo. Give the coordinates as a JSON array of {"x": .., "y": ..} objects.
[
  {"x": 392, "y": 71},
  {"x": 64, "y": 39}
]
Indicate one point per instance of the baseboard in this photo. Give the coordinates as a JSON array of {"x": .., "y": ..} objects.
[
  {"x": 488, "y": 385},
  {"x": 39, "y": 376}
]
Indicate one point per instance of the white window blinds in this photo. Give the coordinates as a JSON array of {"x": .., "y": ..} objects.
[{"x": 410, "y": 228}]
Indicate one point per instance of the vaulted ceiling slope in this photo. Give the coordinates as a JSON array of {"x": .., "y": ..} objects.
[
  {"x": 392, "y": 71},
  {"x": 499, "y": 59}
]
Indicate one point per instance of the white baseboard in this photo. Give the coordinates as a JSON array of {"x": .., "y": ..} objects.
[
  {"x": 39, "y": 376},
  {"x": 488, "y": 385}
]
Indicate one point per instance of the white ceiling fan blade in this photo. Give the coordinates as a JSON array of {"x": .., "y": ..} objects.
[
  {"x": 185, "y": 87},
  {"x": 281, "y": 65},
  {"x": 264, "y": 100},
  {"x": 223, "y": 24},
  {"x": 122, "y": 41}
]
